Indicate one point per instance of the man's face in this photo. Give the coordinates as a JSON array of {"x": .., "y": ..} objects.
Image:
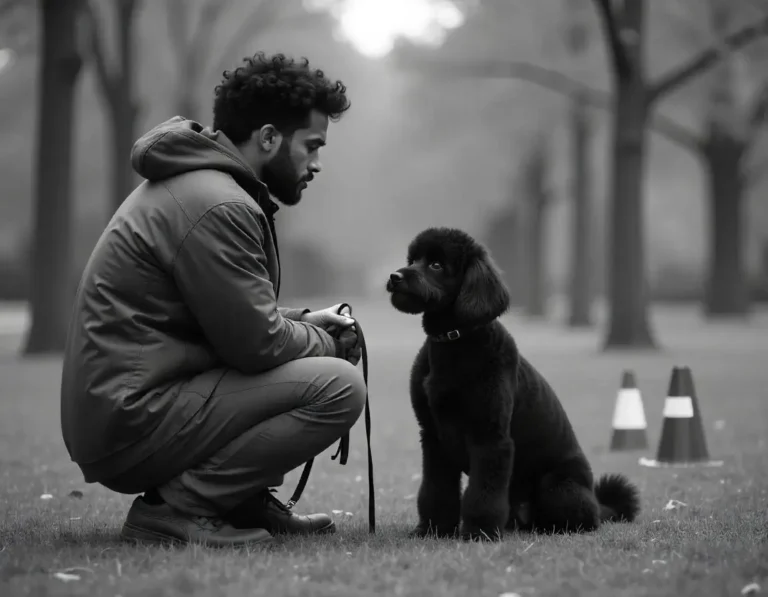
[{"x": 296, "y": 161}]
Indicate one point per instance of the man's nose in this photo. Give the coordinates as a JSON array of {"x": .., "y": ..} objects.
[{"x": 315, "y": 167}]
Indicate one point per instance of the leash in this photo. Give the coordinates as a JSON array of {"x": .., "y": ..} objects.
[{"x": 343, "y": 451}]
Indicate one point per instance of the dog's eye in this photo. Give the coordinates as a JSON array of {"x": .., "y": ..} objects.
[{"x": 436, "y": 265}]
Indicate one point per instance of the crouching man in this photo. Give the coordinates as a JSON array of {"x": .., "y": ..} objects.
[{"x": 182, "y": 378}]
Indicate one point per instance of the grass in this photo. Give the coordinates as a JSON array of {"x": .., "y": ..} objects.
[{"x": 714, "y": 545}]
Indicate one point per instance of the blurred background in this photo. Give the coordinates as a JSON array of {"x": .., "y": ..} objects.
[{"x": 610, "y": 153}]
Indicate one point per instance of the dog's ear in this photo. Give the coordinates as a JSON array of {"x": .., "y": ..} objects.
[{"x": 483, "y": 295}]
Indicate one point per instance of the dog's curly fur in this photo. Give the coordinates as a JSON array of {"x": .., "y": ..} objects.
[{"x": 484, "y": 410}]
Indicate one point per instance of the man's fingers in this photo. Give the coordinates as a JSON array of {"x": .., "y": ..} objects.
[{"x": 342, "y": 321}]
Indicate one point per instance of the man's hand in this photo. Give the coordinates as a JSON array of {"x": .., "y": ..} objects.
[
  {"x": 340, "y": 327},
  {"x": 329, "y": 319}
]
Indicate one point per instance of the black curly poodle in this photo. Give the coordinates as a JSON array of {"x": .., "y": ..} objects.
[{"x": 484, "y": 410}]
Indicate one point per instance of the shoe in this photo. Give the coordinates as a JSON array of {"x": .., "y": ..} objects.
[
  {"x": 267, "y": 512},
  {"x": 160, "y": 523}
]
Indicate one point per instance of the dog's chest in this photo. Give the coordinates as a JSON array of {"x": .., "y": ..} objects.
[{"x": 448, "y": 409}]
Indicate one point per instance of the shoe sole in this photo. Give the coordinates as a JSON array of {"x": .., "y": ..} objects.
[
  {"x": 133, "y": 533},
  {"x": 328, "y": 529}
]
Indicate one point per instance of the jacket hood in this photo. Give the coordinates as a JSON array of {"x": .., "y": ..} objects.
[{"x": 179, "y": 145}]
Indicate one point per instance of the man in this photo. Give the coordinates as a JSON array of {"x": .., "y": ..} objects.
[{"x": 182, "y": 378}]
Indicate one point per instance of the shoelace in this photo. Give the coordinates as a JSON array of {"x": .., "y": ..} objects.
[
  {"x": 343, "y": 451},
  {"x": 208, "y": 522},
  {"x": 269, "y": 498}
]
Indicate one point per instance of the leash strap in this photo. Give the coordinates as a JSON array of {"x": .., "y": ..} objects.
[{"x": 343, "y": 450}]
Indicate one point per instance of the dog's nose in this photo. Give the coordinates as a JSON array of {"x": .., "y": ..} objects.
[{"x": 396, "y": 277}]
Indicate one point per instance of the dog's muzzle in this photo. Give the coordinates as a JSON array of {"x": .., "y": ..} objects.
[{"x": 395, "y": 278}]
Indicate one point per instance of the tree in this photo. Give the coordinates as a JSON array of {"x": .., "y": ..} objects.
[
  {"x": 60, "y": 64},
  {"x": 580, "y": 286},
  {"x": 734, "y": 120},
  {"x": 192, "y": 46},
  {"x": 537, "y": 197},
  {"x": 116, "y": 82},
  {"x": 623, "y": 22}
]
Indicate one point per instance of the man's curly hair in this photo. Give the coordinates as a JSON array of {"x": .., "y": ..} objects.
[{"x": 274, "y": 90}]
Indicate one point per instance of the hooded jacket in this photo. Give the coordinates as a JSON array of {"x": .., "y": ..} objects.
[{"x": 182, "y": 284}]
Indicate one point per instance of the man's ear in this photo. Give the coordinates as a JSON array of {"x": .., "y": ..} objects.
[
  {"x": 268, "y": 138},
  {"x": 483, "y": 295}
]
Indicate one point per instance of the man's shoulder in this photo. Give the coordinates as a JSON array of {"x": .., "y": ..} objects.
[{"x": 197, "y": 193}]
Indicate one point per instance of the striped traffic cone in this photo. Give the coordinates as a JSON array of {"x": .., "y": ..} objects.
[
  {"x": 629, "y": 424},
  {"x": 682, "y": 439}
]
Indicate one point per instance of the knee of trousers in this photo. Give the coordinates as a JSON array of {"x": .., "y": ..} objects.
[{"x": 342, "y": 385}]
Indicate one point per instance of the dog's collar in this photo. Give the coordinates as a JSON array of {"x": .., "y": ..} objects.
[{"x": 452, "y": 335}]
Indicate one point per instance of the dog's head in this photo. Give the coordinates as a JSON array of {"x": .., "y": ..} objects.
[{"x": 450, "y": 273}]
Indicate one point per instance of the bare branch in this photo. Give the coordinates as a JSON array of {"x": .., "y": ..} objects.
[
  {"x": 177, "y": 12},
  {"x": 94, "y": 32},
  {"x": 201, "y": 38},
  {"x": 264, "y": 14},
  {"x": 612, "y": 26},
  {"x": 759, "y": 108},
  {"x": 553, "y": 81},
  {"x": 679, "y": 75}
]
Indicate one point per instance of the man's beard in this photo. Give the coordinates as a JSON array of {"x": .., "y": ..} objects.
[{"x": 281, "y": 177}]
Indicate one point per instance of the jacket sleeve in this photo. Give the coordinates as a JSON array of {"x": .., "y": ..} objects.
[
  {"x": 293, "y": 314},
  {"x": 221, "y": 272}
]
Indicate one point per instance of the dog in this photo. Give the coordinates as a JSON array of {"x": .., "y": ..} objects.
[{"x": 485, "y": 411}]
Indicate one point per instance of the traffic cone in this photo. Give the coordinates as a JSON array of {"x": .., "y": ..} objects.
[
  {"x": 682, "y": 439},
  {"x": 629, "y": 424}
]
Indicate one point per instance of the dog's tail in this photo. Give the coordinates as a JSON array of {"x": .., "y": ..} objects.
[{"x": 618, "y": 497}]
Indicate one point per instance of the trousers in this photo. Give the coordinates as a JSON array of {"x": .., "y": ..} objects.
[{"x": 249, "y": 433}]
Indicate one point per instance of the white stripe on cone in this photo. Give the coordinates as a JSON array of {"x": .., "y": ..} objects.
[
  {"x": 678, "y": 407},
  {"x": 629, "y": 412}
]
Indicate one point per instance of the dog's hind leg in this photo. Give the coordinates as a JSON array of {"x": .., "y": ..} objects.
[
  {"x": 439, "y": 498},
  {"x": 485, "y": 505},
  {"x": 565, "y": 504}
]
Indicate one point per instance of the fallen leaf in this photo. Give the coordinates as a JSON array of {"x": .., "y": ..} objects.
[
  {"x": 674, "y": 505},
  {"x": 509, "y": 595},
  {"x": 66, "y": 577},
  {"x": 46, "y": 496},
  {"x": 337, "y": 512}
]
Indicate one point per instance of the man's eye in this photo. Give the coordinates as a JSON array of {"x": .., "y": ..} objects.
[{"x": 436, "y": 265}]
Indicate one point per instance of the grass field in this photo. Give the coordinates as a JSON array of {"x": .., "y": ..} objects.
[{"x": 717, "y": 544}]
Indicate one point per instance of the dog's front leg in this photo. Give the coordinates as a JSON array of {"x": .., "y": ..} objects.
[
  {"x": 439, "y": 498},
  {"x": 485, "y": 506}
]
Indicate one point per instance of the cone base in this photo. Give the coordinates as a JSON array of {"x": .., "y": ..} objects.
[
  {"x": 651, "y": 463},
  {"x": 624, "y": 440}
]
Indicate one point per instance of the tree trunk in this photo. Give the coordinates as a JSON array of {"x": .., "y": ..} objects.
[
  {"x": 123, "y": 109},
  {"x": 536, "y": 197},
  {"x": 535, "y": 304},
  {"x": 581, "y": 283},
  {"x": 627, "y": 289},
  {"x": 122, "y": 115},
  {"x": 59, "y": 70},
  {"x": 727, "y": 291},
  {"x": 628, "y": 320}
]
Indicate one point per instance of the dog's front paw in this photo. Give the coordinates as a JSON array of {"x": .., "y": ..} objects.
[
  {"x": 470, "y": 532},
  {"x": 424, "y": 530}
]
